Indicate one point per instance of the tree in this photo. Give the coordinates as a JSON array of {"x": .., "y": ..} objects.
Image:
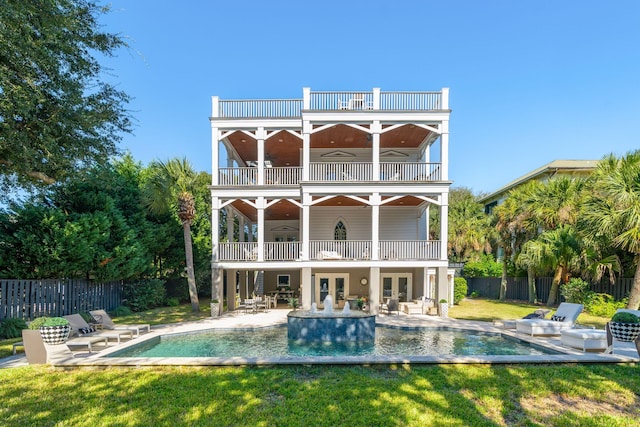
[
  {"x": 469, "y": 228},
  {"x": 170, "y": 187},
  {"x": 554, "y": 249},
  {"x": 56, "y": 114},
  {"x": 613, "y": 209}
]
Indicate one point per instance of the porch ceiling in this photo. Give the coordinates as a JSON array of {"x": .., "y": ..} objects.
[
  {"x": 283, "y": 148},
  {"x": 284, "y": 210}
]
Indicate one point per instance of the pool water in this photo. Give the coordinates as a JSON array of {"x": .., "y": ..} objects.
[{"x": 273, "y": 342}]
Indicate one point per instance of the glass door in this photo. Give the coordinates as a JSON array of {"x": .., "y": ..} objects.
[
  {"x": 397, "y": 286},
  {"x": 334, "y": 284}
]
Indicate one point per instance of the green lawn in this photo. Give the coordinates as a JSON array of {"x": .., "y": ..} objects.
[{"x": 397, "y": 395}]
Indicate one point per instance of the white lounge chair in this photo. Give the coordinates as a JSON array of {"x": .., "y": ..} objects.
[
  {"x": 565, "y": 317},
  {"x": 81, "y": 328},
  {"x": 103, "y": 318}
]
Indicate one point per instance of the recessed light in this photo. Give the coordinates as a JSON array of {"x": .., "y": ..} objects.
[
  {"x": 280, "y": 140},
  {"x": 402, "y": 142},
  {"x": 287, "y": 164},
  {"x": 243, "y": 140},
  {"x": 332, "y": 142}
]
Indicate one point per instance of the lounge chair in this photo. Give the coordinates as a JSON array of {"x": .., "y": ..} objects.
[
  {"x": 81, "y": 328},
  {"x": 103, "y": 318},
  {"x": 390, "y": 306},
  {"x": 565, "y": 317}
]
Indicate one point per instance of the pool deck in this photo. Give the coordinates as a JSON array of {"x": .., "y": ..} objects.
[{"x": 61, "y": 356}]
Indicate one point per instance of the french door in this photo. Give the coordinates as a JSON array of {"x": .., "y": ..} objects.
[
  {"x": 334, "y": 284},
  {"x": 397, "y": 286}
]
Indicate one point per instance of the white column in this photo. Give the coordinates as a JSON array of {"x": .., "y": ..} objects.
[
  {"x": 426, "y": 283},
  {"x": 260, "y": 136},
  {"x": 306, "y": 208},
  {"x": 305, "y": 298},
  {"x": 376, "y": 98},
  {"x": 374, "y": 290},
  {"x": 215, "y": 155},
  {"x": 261, "y": 204},
  {"x": 241, "y": 234},
  {"x": 444, "y": 150},
  {"x": 230, "y": 225},
  {"x": 306, "y": 149},
  {"x": 216, "y": 272},
  {"x": 444, "y": 226},
  {"x": 375, "y": 225},
  {"x": 376, "y": 128},
  {"x": 442, "y": 284},
  {"x": 231, "y": 289}
]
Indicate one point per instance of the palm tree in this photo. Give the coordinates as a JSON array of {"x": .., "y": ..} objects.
[
  {"x": 170, "y": 187},
  {"x": 469, "y": 228},
  {"x": 613, "y": 210},
  {"x": 553, "y": 249}
]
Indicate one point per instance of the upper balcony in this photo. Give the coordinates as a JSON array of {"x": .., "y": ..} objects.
[
  {"x": 331, "y": 172},
  {"x": 375, "y": 100}
]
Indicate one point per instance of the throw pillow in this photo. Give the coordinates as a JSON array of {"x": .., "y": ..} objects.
[
  {"x": 86, "y": 330},
  {"x": 557, "y": 318}
]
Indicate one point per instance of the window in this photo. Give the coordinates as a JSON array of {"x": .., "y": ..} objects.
[{"x": 340, "y": 232}]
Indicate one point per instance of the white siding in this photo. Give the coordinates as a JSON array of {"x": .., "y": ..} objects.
[{"x": 399, "y": 223}]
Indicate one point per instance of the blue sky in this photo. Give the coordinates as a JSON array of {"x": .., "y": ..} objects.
[{"x": 530, "y": 81}]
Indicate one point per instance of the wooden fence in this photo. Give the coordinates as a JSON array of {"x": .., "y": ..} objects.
[
  {"x": 518, "y": 287},
  {"x": 28, "y": 299}
]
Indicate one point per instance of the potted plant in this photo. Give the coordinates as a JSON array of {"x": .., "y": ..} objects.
[
  {"x": 444, "y": 308},
  {"x": 54, "y": 330},
  {"x": 360, "y": 303},
  {"x": 294, "y": 303},
  {"x": 625, "y": 326},
  {"x": 215, "y": 308}
]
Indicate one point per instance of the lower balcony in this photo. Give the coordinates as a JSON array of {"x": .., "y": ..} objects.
[{"x": 336, "y": 250}]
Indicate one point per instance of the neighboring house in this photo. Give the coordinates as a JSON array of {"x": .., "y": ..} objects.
[
  {"x": 555, "y": 168},
  {"x": 332, "y": 194}
]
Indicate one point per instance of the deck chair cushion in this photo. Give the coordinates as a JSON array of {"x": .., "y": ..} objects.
[{"x": 557, "y": 318}]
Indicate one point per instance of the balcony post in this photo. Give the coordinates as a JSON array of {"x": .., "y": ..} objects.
[
  {"x": 260, "y": 136},
  {"x": 306, "y": 206},
  {"x": 376, "y": 98},
  {"x": 445, "y": 98},
  {"x": 375, "y": 201},
  {"x": 215, "y": 106},
  {"x": 260, "y": 202},
  {"x": 306, "y": 148},
  {"x": 444, "y": 151},
  {"x": 215, "y": 155},
  {"x": 444, "y": 225},
  {"x": 376, "y": 128},
  {"x": 306, "y": 98}
]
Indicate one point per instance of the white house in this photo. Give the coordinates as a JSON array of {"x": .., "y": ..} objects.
[{"x": 331, "y": 194}]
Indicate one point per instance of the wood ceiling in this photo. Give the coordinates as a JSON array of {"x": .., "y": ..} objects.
[{"x": 284, "y": 149}]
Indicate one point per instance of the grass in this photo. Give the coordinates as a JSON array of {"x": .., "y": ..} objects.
[
  {"x": 385, "y": 395},
  {"x": 396, "y": 395}
]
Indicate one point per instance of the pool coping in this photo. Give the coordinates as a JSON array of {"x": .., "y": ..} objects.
[{"x": 66, "y": 359}]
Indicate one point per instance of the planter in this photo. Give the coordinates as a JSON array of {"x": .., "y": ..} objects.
[
  {"x": 626, "y": 332},
  {"x": 55, "y": 334},
  {"x": 215, "y": 309},
  {"x": 444, "y": 309}
]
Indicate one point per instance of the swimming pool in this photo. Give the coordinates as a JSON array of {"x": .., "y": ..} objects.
[{"x": 272, "y": 342}]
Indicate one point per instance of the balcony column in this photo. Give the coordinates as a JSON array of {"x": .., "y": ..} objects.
[
  {"x": 306, "y": 149},
  {"x": 306, "y": 278},
  {"x": 374, "y": 290},
  {"x": 261, "y": 206},
  {"x": 444, "y": 151},
  {"x": 260, "y": 136},
  {"x": 216, "y": 272},
  {"x": 444, "y": 226},
  {"x": 442, "y": 284},
  {"x": 232, "y": 284},
  {"x": 241, "y": 234},
  {"x": 376, "y": 128},
  {"x": 230, "y": 225},
  {"x": 306, "y": 208},
  {"x": 215, "y": 154},
  {"x": 375, "y": 201}
]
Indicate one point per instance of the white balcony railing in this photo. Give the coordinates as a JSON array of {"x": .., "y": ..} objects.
[
  {"x": 336, "y": 101},
  {"x": 332, "y": 172},
  {"x": 340, "y": 171},
  {"x": 390, "y": 250}
]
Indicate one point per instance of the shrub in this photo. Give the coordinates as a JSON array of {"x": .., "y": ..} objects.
[
  {"x": 172, "y": 302},
  {"x": 602, "y": 305},
  {"x": 144, "y": 295},
  {"x": 576, "y": 291},
  {"x": 12, "y": 328},
  {"x": 459, "y": 289},
  {"x": 625, "y": 317},
  {"x": 475, "y": 294},
  {"x": 39, "y": 322},
  {"x": 485, "y": 267}
]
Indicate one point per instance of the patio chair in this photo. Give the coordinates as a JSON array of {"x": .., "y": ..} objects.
[
  {"x": 103, "y": 318},
  {"x": 82, "y": 329},
  {"x": 390, "y": 306},
  {"x": 565, "y": 317}
]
